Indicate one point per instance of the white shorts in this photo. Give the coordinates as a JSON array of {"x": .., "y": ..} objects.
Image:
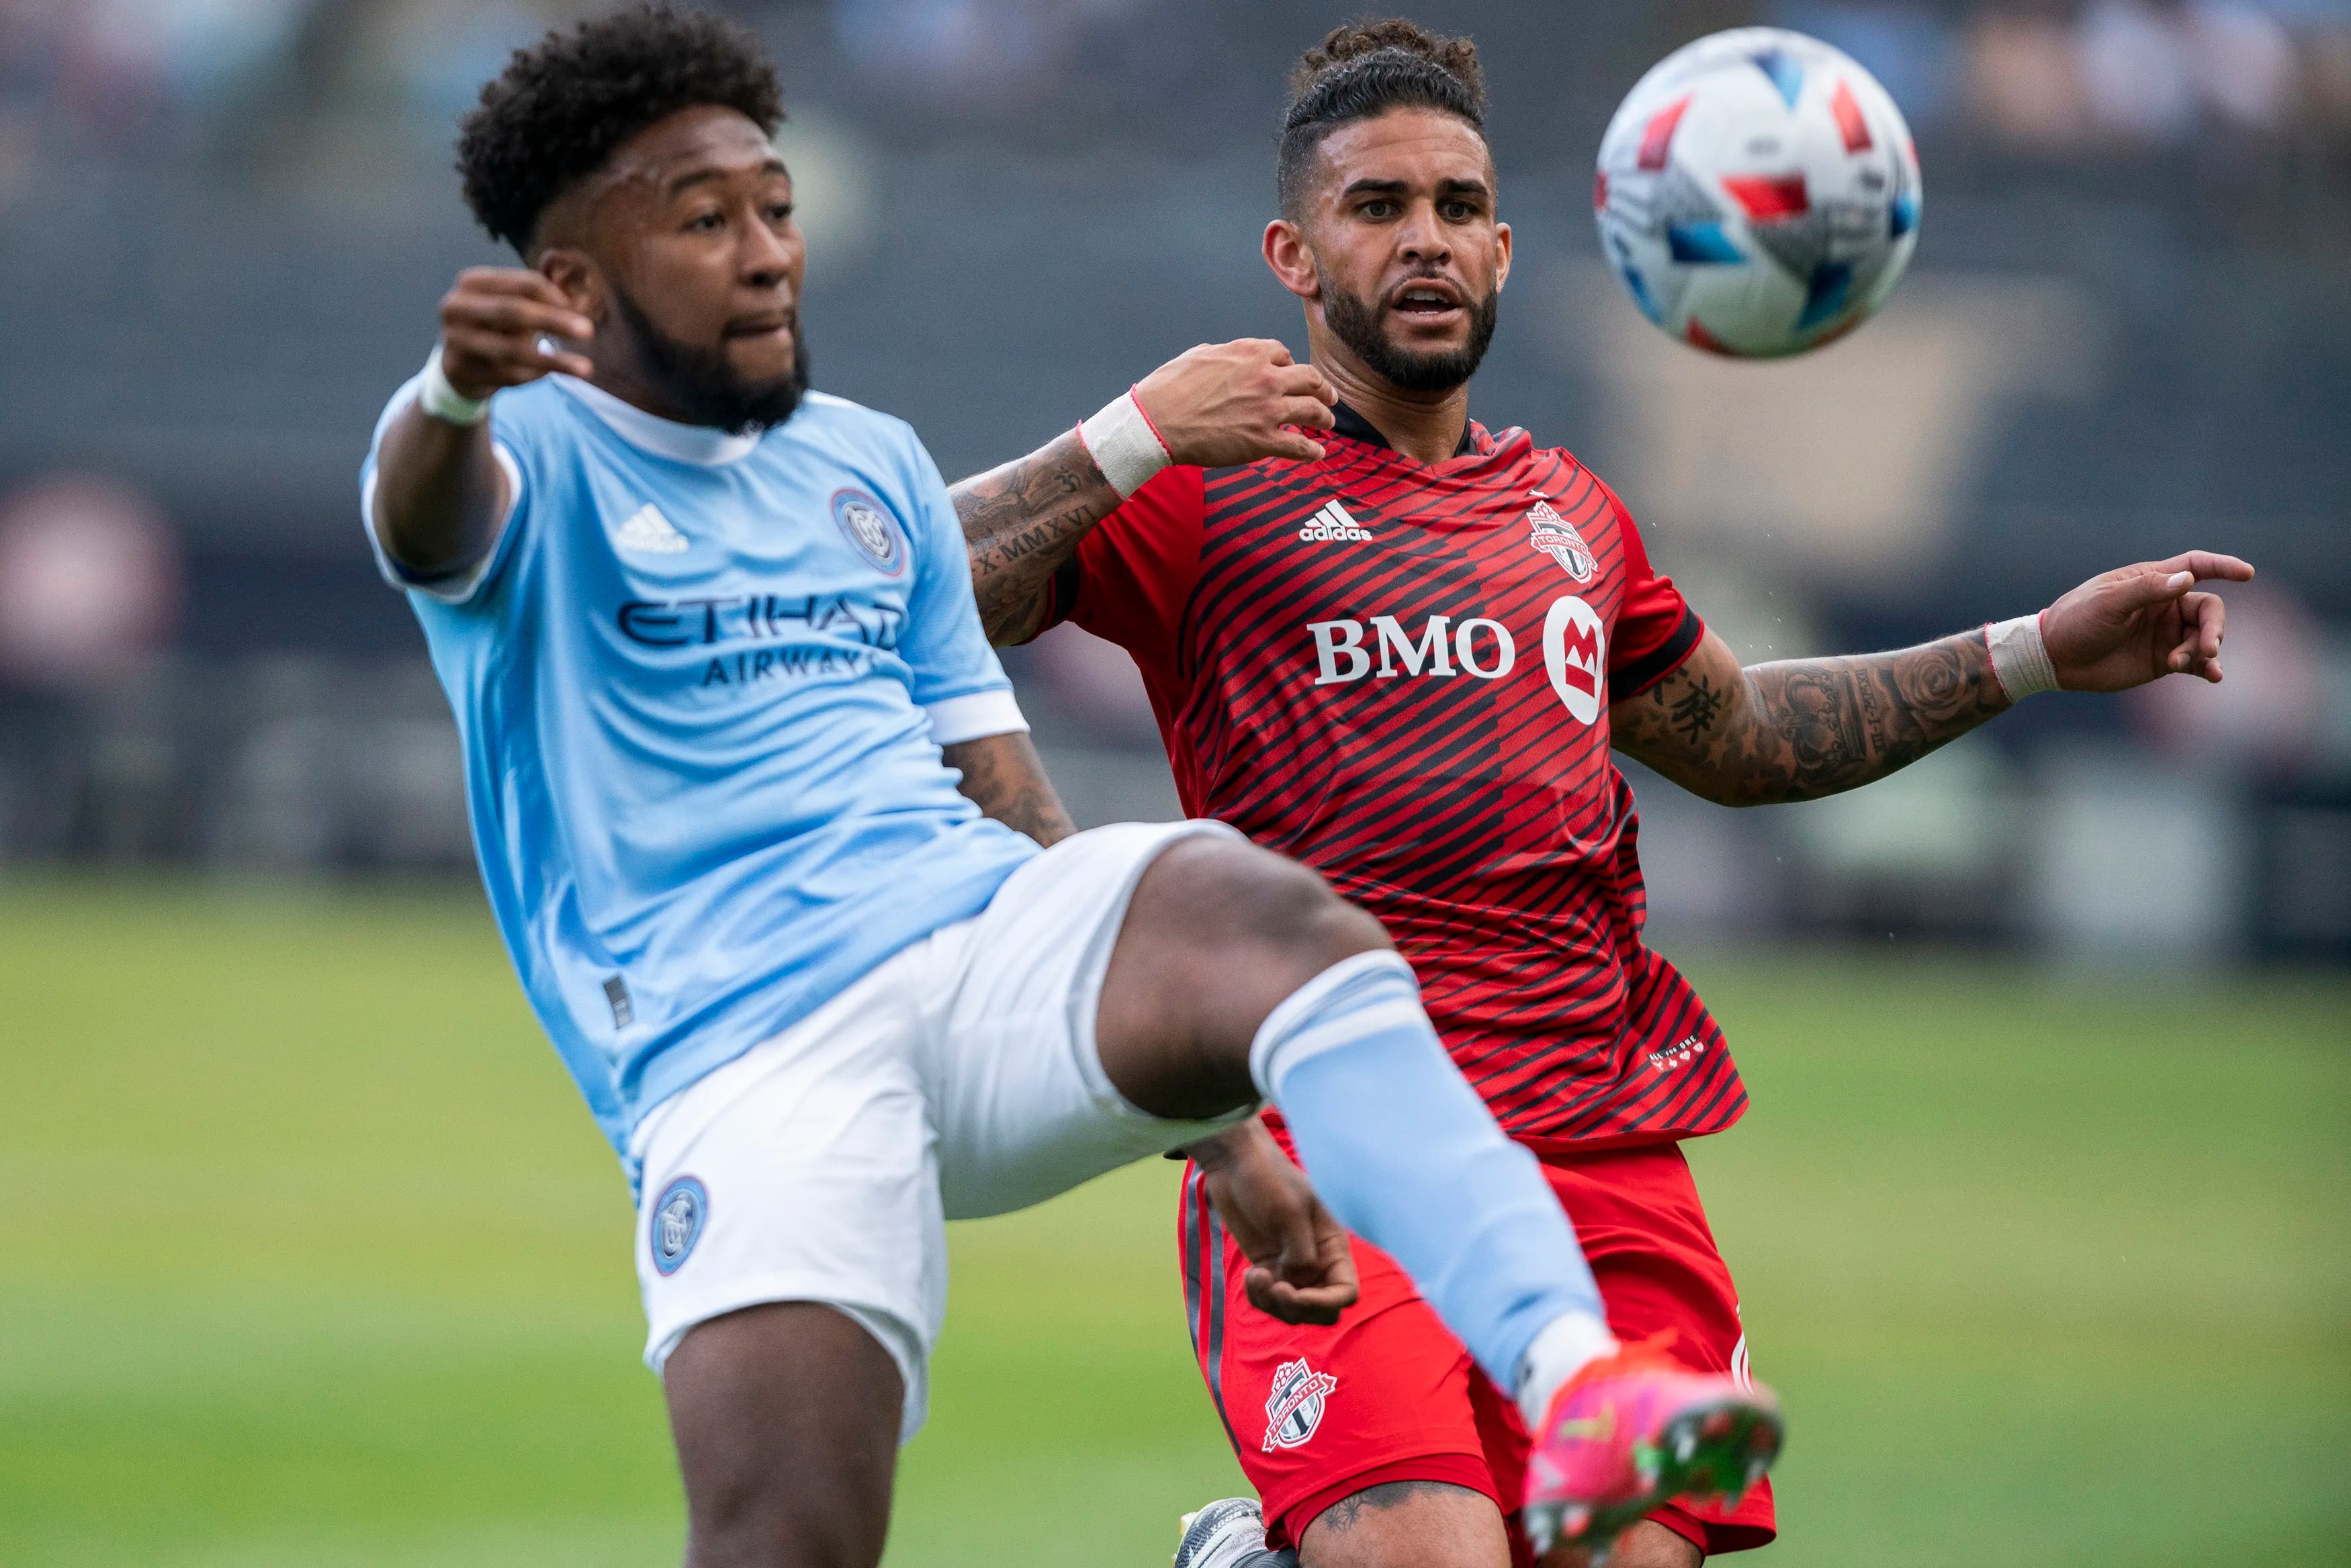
[{"x": 957, "y": 1079}]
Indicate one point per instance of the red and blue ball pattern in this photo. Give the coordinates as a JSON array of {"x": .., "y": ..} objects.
[{"x": 1757, "y": 193}]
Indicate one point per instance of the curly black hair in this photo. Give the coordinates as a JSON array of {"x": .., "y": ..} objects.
[
  {"x": 1362, "y": 72},
  {"x": 560, "y": 107}
]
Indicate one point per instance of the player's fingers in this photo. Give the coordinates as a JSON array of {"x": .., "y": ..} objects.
[
  {"x": 2208, "y": 565},
  {"x": 1273, "y": 349},
  {"x": 564, "y": 362},
  {"x": 474, "y": 359},
  {"x": 506, "y": 280},
  {"x": 1312, "y": 412},
  {"x": 2152, "y": 586},
  {"x": 1304, "y": 381},
  {"x": 511, "y": 314},
  {"x": 481, "y": 284},
  {"x": 1297, "y": 448},
  {"x": 1291, "y": 1304},
  {"x": 2207, "y": 618}
]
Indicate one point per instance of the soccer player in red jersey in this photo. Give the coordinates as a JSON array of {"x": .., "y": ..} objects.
[{"x": 1400, "y": 652}]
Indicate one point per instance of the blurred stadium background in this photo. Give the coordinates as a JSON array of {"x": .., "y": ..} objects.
[{"x": 317, "y": 1260}]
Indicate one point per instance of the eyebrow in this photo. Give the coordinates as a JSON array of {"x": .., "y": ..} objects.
[
  {"x": 684, "y": 182},
  {"x": 1403, "y": 187}
]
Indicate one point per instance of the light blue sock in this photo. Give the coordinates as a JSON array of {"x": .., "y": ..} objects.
[{"x": 1405, "y": 1155}]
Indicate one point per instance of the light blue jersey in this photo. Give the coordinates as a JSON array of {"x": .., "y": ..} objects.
[{"x": 701, "y": 683}]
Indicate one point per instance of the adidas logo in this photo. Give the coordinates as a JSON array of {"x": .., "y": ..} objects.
[
  {"x": 649, "y": 531},
  {"x": 1331, "y": 523}
]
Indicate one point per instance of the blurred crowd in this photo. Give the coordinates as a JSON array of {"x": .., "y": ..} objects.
[
  {"x": 223, "y": 224},
  {"x": 2070, "y": 81}
]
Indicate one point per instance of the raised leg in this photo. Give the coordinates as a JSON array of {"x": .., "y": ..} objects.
[
  {"x": 786, "y": 1419},
  {"x": 1239, "y": 972}
]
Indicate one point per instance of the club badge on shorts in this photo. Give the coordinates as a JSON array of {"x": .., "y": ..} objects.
[
  {"x": 678, "y": 1218},
  {"x": 1295, "y": 1407},
  {"x": 868, "y": 525}
]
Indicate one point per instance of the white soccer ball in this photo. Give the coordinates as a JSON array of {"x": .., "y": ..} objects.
[{"x": 1757, "y": 193}]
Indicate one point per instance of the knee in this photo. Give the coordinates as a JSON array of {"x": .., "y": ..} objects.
[
  {"x": 1239, "y": 896},
  {"x": 1408, "y": 1524}
]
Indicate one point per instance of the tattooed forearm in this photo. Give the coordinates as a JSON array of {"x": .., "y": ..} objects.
[
  {"x": 1020, "y": 521},
  {"x": 1807, "y": 728},
  {"x": 1003, "y": 775}
]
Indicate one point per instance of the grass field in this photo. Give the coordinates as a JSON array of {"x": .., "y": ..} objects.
[{"x": 314, "y": 1259}]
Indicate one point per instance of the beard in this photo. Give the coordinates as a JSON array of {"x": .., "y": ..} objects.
[
  {"x": 1358, "y": 323},
  {"x": 705, "y": 387}
]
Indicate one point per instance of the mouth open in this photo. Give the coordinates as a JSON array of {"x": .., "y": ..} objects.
[{"x": 1425, "y": 300}]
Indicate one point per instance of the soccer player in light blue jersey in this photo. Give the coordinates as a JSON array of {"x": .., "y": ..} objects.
[{"x": 781, "y": 875}]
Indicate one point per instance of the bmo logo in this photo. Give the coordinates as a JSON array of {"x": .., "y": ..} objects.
[
  {"x": 1476, "y": 647},
  {"x": 1575, "y": 655},
  {"x": 1574, "y": 642}
]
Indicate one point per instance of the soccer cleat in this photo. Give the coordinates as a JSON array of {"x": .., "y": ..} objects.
[
  {"x": 1635, "y": 1429},
  {"x": 1224, "y": 1534}
]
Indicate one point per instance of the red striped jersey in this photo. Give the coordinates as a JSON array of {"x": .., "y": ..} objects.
[{"x": 1400, "y": 675}]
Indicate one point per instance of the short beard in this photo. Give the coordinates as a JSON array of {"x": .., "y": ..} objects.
[
  {"x": 702, "y": 383},
  {"x": 1356, "y": 323}
]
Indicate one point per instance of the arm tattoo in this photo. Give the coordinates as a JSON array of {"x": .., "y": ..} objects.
[
  {"x": 1692, "y": 714},
  {"x": 1342, "y": 1516},
  {"x": 1003, "y": 775},
  {"x": 1807, "y": 728},
  {"x": 1021, "y": 522}
]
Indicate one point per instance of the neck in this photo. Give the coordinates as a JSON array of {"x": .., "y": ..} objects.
[
  {"x": 1424, "y": 426},
  {"x": 628, "y": 383}
]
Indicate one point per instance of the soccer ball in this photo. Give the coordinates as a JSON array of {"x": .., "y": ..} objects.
[{"x": 1757, "y": 193}]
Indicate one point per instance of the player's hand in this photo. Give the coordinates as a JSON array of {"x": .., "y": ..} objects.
[
  {"x": 491, "y": 324},
  {"x": 1301, "y": 1268},
  {"x": 1225, "y": 403},
  {"x": 2135, "y": 624}
]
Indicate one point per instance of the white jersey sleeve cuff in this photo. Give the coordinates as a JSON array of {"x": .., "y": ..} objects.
[
  {"x": 454, "y": 590},
  {"x": 959, "y": 719}
]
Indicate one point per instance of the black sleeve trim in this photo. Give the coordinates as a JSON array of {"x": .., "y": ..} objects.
[{"x": 1632, "y": 679}]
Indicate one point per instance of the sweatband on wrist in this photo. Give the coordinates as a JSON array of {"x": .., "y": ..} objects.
[
  {"x": 2019, "y": 658},
  {"x": 436, "y": 396},
  {"x": 1123, "y": 445}
]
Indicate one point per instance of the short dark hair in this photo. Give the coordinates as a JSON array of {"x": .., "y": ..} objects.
[
  {"x": 560, "y": 107},
  {"x": 1362, "y": 72}
]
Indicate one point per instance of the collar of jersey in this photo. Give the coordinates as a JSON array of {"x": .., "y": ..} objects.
[
  {"x": 700, "y": 444},
  {"x": 1347, "y": 421}
]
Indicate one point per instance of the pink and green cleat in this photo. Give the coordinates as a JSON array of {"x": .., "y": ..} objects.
[{"x": 1635, "y": 1429}]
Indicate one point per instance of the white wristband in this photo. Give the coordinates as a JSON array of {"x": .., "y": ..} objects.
[
  {"x": 436, "y": 396},
  {"x": 2019, "y": 658},
  {"x": 1123, "y": 445}
]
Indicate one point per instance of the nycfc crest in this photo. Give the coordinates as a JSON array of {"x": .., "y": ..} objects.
[
  {"x": 1295, "y": 1407},
  {"x": 678, "y": 1219},
  {"x": 867, "y": 524},
  {"x": 1557, "y": 537}
]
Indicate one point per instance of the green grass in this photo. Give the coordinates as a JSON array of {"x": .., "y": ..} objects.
[{"x": 313, "y": 1258}]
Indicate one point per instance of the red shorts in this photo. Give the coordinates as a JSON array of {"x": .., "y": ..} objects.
[{"x": 1317, "y": 1415}]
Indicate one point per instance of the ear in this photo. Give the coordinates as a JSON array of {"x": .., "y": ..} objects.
[
  {"x": 1292, "y": 262},
  {"x": 1501, "y": 255},
  {"x": 581, "y": 281}
]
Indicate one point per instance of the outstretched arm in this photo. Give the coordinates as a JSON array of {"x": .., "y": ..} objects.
[
  {"x": 439, "y": 495},
  {"x": 1218, "y": 404},
  {"x": 1805, "y": 728}
]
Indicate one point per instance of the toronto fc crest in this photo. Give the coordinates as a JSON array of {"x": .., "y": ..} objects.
[
  {"x": 1294, "y": 1409},
  {"x": 1555, "y": 536}
]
